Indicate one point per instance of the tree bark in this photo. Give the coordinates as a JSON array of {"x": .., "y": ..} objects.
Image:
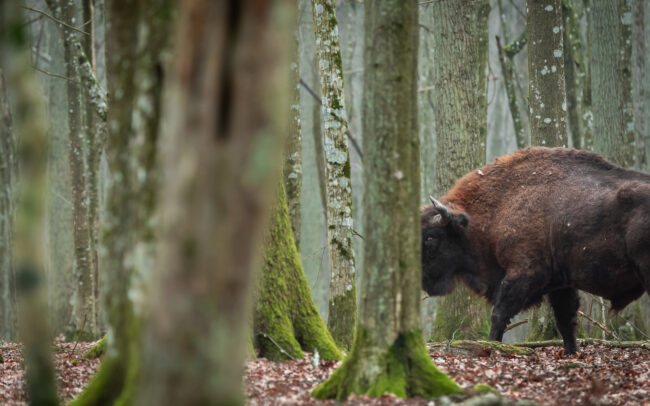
[
  {"x": 342, "y": 302},
  {"x": 641, "y": 81},
  {"x": 137, "y": 40},
  {"x": 547, "y": 87},
  {"x": 8, "y": 183},
  {"x": 286, "y": 318},
  {"x": 31, "y": 129},
  {"x": 607, "y": 83},
  {"x": 219, "y": 171},
  {"x": 460, "y": 46},
  {"x": 388, "y": 355}
]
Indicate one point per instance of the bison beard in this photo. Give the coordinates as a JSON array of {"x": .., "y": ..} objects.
[{"x": 541, "y": 221}]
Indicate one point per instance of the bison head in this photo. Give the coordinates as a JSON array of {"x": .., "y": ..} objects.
[{"x": 445, "y": 248}]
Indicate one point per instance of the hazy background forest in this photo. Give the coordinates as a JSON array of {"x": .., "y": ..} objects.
[{"x": 150, "y": 179}]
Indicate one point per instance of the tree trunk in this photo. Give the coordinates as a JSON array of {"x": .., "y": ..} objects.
[
  {"x": 219, "y": 171},
  {"x": 607, "y": 83},
  {"x": 342, "y": 302},
  {"x": 547, "y": 88},
  {"x": 137, "y": 39},
  {"x": 293, "y": 151},
  {"x": 548, "y": 106},
  {"x": 460, "y": 46},
  {"x": 641, "y": 82},
  {"x": 388, "y": 355},
  {"x": 286, "y": 318},
  {"x": 31, "y": 129},
  {"x": 7, "y": 185}
]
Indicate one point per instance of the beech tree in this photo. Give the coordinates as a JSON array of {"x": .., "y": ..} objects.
[
  {"x": 460, "y": 120},
  {"x": 388, "y": 354},
  {"x": 343, "y": 298}
]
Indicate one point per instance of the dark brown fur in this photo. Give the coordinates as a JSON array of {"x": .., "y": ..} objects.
[{"x": 543, "y": 221}]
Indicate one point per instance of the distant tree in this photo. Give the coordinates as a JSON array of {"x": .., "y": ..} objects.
[
  {"x": 219, "y": 170},
  {"x": 459, "y": 102},
  {"x": 7, "y": 202},
  {"x": 31, "y": 128},
  {"x": 137, "y": 40},
  {"x": 641, "y": 62},
  {"x": 608, "y": 76},
  {"x": 343, "y": 298},
  {"x": 548, "y": 118},
  {"x": 388, "y": 354}
]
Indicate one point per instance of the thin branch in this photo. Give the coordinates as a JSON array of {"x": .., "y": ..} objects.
[
  {"x": 600, "y": 325},
  {"x": 428, "y": 2},
  {"x": 426, "y": 88},
  {"x": 517, "y": 324},
  {"x": 55, "y": 75},
  {"x": 55, "y": 19},
  {"x": 349, "y": 133}
]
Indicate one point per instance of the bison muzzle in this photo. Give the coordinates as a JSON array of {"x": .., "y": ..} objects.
[{"x": 541, "y": 221}]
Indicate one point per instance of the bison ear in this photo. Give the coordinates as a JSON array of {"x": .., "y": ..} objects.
[{"x": 463, "y": 220}]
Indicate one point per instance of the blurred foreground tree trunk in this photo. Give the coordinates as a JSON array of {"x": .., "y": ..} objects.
[
  {"x": 292, "y": 171},
  {"x": 343, "y": 299},
  {"x": 7, "y": 200},
  {"x": 460, "y": 47},
  {"x": 31, "y": 129},
  {"x": 286, "y": 318},
  {"x": 388, "y": 355},
  {"x": 137, "y": 43},
  {"x": 227, "y": 104}
]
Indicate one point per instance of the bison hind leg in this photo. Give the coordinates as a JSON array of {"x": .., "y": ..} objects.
[{"x": 565, "y": 304}]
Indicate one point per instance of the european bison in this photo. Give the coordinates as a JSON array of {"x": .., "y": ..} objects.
[{"x": 541, "y": 221}]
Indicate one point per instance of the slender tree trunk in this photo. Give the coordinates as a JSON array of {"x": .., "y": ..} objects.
[
  {"x": 388, "y": 355},
  {"x": 646, "y": 86},
  {"x": 31, "y": 129},
  {"x": 343, "y": 302},
  {"x": 576, "y": 64},
  {"x": 547, "y": 88},
  {"x": 548, "y": 105},
  {"x": 293, "y": 152},
  {"x": 286, "y": 318},
  {"x": 607, "y": 83},
  {"x": 7, "y": 185},
  {"x": 640, "y": 48},
  {"x": 460, "y": 46}
]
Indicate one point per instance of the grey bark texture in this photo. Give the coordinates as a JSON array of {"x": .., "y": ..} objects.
[
  {"x": 610, "y": 137},
  {"x": 547, "y": 87},
  {"x": 342, "y": 303},
  {"x": 388, "y": 353},
  {"x": 459, "y": 100}
]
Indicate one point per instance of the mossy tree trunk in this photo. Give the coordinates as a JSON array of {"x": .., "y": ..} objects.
[
  {"x": 219, "y": 171},
  {"x": 137, "y": 40},
  {"x": 388, "y": 354},
  {"x": 286, "y": 318},
  {"x": 7, "y": 185},
  {"x": 31, "y": 130},
  {"x": 459, "y": 101},
  {"x": 610, "y": 136},
  {"x": 342, "y": 302}
]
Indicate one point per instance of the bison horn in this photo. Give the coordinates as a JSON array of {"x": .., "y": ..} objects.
[{"x": 444, "y": 212}]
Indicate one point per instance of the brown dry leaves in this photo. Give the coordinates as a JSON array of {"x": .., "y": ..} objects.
[
  {"x": 598, "y": 375},
  {"x": 73, "y": 372}
]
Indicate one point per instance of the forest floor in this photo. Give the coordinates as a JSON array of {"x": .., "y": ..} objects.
[{"x": 598, "y": 375}]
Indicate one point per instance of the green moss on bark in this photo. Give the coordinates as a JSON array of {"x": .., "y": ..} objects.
[
  {"x": 404, "y": 369},
  {"x": 96, "y": 350},
  {"x": 286, "y": 318},
  {"x": 343, "y": 308}
]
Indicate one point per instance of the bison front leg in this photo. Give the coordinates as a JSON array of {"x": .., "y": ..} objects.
[{"x": 565, "y": 303}]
